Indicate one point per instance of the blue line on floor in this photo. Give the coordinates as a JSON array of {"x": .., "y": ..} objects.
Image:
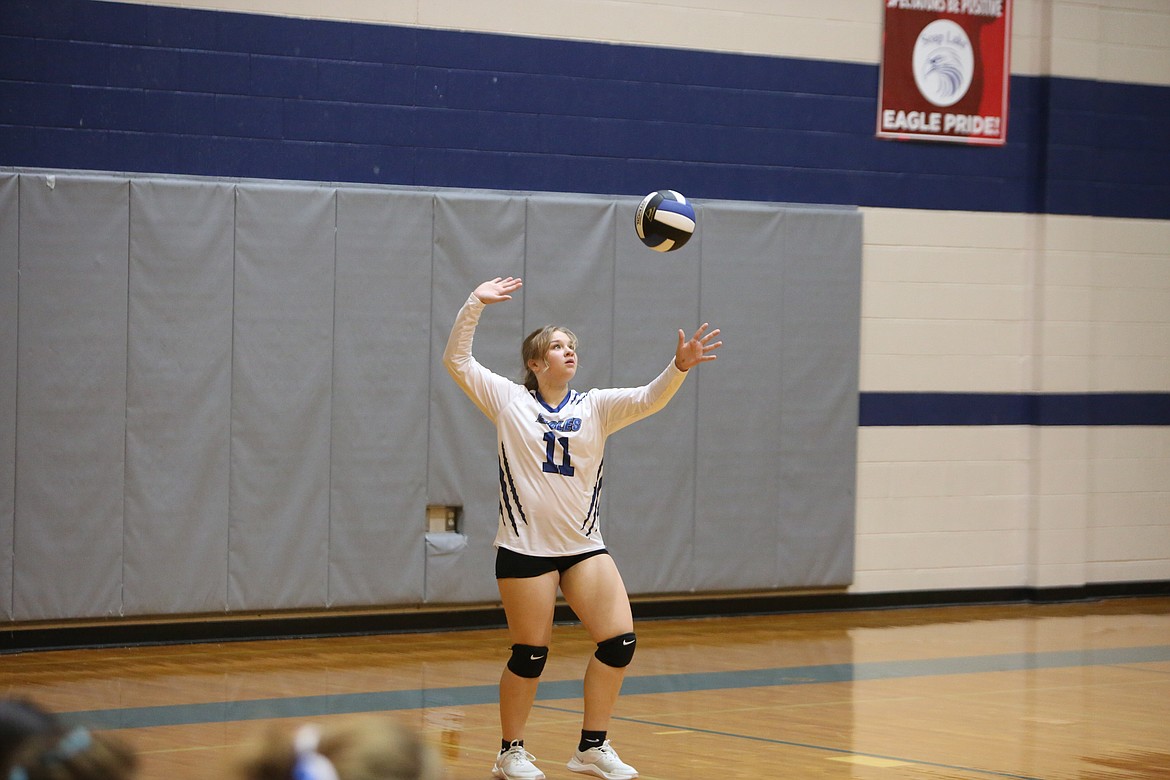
[{"x": 469, "y": 695}]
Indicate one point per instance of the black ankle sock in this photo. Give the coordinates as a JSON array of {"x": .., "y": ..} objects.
[
  {"x": 591, "y": 739},
  {"x": 505, "y": 744}
]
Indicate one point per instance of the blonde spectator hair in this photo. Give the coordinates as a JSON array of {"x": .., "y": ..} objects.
[{"x": 367, "y": 747}]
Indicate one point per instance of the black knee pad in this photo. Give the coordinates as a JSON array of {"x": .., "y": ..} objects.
[
  {"x": 617, "y": 652},
  {"x": 527, "y": 660}
]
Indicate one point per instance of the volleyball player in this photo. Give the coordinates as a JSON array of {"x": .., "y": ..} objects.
[{"x": 550, "y": 444}]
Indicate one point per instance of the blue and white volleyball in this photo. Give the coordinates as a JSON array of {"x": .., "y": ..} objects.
[{"x": 664, "y": 220}]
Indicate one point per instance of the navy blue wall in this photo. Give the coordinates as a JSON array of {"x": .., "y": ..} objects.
[
  {"x": 1096, "y": 409},
  {"x": 105, "y": 86}
]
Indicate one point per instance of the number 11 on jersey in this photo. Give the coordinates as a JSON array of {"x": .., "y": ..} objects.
[{"x": 565, "y": 467}]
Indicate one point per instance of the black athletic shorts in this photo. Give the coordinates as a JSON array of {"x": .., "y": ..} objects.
[{"x": 511, "y": 564}]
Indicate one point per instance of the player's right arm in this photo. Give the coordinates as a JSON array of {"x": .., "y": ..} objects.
[{"x": 489, "y": 391}]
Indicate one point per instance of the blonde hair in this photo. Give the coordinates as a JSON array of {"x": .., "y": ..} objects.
[
  {"x": 73, "y": 754},
  {"x": 535, "y": 347},
  {"x": 366, "y": 747}
]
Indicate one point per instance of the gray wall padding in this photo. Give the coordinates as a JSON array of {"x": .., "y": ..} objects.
[
  {"x": 179, "y": 396},
  {"x": 231, "y": 395},
  {"x": 71, "y": 397},
  {"x": 381, "y": 383},
  {"x": 9, "y": 215},
  {"x": 282, "y": 383}
]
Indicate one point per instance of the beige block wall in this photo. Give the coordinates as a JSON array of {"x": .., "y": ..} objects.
[{"x": 1071, "y": 305}]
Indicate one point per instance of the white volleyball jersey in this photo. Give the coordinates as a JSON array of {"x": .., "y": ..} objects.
[{"x": 550, "y": 457}]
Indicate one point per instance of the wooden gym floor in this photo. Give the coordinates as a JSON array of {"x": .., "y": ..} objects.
[{"x": 1029, "y": 692}]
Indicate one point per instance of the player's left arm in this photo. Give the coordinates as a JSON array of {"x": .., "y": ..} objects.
[{"x": 622, "y": 406}]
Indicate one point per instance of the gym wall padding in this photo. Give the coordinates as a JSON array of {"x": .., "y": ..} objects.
[
  {"x": 282, "y": 382},
  {"x": 8, "y": 285},
  {"x": 71, "y": 397},
  {"x": 381, "y": 369},
  {"x": 179, "y": 396},
  {"x": 780, "y": 414},
  {"x": 228, "y": 394}
]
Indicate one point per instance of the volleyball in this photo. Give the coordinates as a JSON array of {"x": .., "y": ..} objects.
[{"x": 664, "y": 220}]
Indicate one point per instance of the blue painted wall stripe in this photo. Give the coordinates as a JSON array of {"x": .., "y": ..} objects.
[
  {"x": 1084, "y": 409},
  {"x": 119, "y": 87}
]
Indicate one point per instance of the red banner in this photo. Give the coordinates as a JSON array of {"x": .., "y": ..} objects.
[{"x": 945, "y": 71}]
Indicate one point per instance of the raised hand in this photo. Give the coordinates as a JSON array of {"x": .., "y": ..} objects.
[
  {"x": 697, "y": 349},
  {"x": 498, "y": 289}
]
